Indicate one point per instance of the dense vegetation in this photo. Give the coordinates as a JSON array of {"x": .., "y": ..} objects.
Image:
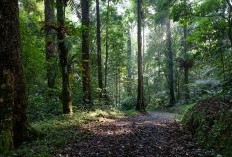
[{"x": 69, "y": 62}]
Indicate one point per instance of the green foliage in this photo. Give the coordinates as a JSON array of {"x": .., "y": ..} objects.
[
  {"x": 206, "y": 86},
  {"x": 208, "y": 7},
  {"x": 182, "y": 12},
  {"x": 43, "y": 107},
  {"x": 181, "y": 108},
  {"x": 130, "y": 112},
  {"x": 128, "y": 103},
  {"x": 33, "y": 52},
  {"x": 157, "y": 103}
]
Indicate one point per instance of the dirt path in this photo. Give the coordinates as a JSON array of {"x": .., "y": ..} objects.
[{"x": 155, "y": 134}]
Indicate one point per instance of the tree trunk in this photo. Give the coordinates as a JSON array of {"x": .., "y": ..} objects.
[
  {"x": 170, "y": 64},
  {"x": 66, "y": 91},
  {"x": 140, "y": 99},
  {"x": 186, "y": 69},
  {"x": 107, "y": 44},
  {"x": 13, "y": 96},
  {"x": 50, "y": 44},
  {"x": 129, "y": 66},
  {"x": 99, "y": 58},
  {"x": 116, "y": 86},
  {"x": 119, "y": 89},
  {"x": 85, "y": 53}
]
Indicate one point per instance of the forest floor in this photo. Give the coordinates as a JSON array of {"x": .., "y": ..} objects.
[{"x": 154, "y": 134}]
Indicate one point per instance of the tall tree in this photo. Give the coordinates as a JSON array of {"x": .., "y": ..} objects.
[
  {"x": 107, "y": 44},
  {"x": 186, "y": 68},
  {"x": 169, "y": 55},
  {"x": 162, "y": 17},
  {"x": 50, "y": 43},
  {"x": 182, "y": 12},
  {"x": 63, "y": 50},
  {"x": 140, "y": 98},
  {"x": 99, "y": 56},
  {"x": 13, "y": 97},
  {"x": 129, "y": 65},
  {"x": 85, "y": 53}
]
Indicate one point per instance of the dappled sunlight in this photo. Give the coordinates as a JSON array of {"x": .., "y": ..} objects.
[
  {"x": 123, "y": 126},
  {"x": 132, "y": 136},
  {"x": 103, "y": 113},
  {"x": 115, "y": 78}
]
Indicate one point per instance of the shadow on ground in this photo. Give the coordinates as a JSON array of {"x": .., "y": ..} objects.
[{"x": 155, "y": 134}]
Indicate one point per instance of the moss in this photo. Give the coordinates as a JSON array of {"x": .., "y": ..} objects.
[{"x": 6, "y": 141}]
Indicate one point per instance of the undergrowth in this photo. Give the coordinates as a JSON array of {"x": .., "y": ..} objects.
[
  {"x": 210, "y": 120},
  {"x": 56, "y": 132}
]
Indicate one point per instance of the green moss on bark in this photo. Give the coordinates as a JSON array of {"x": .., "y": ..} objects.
[{"x": 6, "y": 141}]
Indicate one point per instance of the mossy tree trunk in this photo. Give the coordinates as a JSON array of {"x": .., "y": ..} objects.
[
  {"x": 85, "y": 53},
  {"x": 140, "y": 97},
  {"x": 63, "y": 51},
  {"x": 13, "y": 97},
  {"x": 186, "y": 68},
  {"x": 129, "y": 66},
  {"x": 50, "y": 44},
  {"x": 99, "y": 56},
  {"x": 169, "y": 55},
  {"x": 107, "y": 46}
]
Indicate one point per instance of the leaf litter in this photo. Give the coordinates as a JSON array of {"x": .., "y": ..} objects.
[{"x": 155, "y": 134}]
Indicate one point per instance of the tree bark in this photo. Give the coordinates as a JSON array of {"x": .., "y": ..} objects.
[
  {"x": 129, "y": 66},
  {"x": 13, "y": 96},
  {"x": 63, "y": 55},
  {"x": 50, "y": 44},
  {"x": 170, "y": 64},
  {"x": 107, "y": 44},
  {"x": 99, "y": 57},
  {"x": 140, "y": 98},
  {"x": 186, "y": 69},
  {"x": 116, "y": 87},
  {"x": 85, "y": 53}
]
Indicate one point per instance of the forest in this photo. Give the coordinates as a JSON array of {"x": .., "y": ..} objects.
[{"x": 115, "y": 78}]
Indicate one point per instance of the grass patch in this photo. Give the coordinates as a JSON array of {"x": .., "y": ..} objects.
[
  {"x": 61, "y": 130},
  {"x": 179, "y": 110},
  {"x": 130, "y": 112}
]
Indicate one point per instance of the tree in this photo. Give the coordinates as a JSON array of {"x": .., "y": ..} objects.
[
  {"x": 186, "y": 68},
  {"x": 170, "y": 63},
  {"x": 182, "y": 13},
  {"x": 140, "y": 99},
  {"x": 85, "y": 52},
  {"x": 13, "y": 97},
  {"x": 163, "y": 12},
  {"x": 99, "y": 56},
  {"x": 50, "y": 43},
  {"x": 129, "y": 65},
  {"x": 107, "y": 44},
  {"x": 65, "y": 66}
]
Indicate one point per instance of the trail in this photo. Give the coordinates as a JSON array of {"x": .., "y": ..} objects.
[{"x": 155, "y": 134}]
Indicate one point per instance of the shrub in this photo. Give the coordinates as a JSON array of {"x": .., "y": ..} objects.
[
  {"x": 128, "y": 103},
  {"x": 210, "y": 120}
]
